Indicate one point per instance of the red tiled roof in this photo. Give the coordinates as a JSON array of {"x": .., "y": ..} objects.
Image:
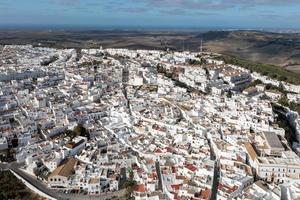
[
  {"x": 228, "y": 189},
  {"x": 139, "y": 188},
  {"x": 175, "y": 187},
  {"x": 158, "y": 150},
  {"x": 174, "y": 169},
  {"x": 239, "y": 158},
  {"x": 191, "y": 167},
  {"x": 169, "y": 149},
  {"x": 205, "y": 194},
  {"x": 176, "y": 196},
  {"x": 150, "y": 161}
]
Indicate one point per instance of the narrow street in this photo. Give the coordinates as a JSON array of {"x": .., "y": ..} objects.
[
  {"x": 157, "y": 166},
  {"x": 216, "y": 173},
  {"x": 215, "y": 181}
]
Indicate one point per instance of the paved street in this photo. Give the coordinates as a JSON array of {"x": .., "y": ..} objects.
[
  {"x": 216, "y": 173},
  {"x": 56, "y": 193}
]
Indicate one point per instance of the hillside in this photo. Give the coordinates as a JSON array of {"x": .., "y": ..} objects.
[
  {"x": 12, "y": 188},
  {"x": 270, "y": 48},
  {"x": 264, "y": 47}
]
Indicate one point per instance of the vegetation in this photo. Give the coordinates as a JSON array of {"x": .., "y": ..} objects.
[
  {"x": 284, "y": 101},
  {"x": 49, "y": 61},
  {"x": 291, "y": 105},
  {"x": 12, "y": 188},
  {"x": 271, "y": 87},
  {"x": 129, "y": 185},
  {"x": 14, "y": 141},
  {"x": 229, "y": 94},
  {"x": 282, "y": 121},
  {"x": 254, "y": 83},
  {"x": 295, "y": 107},
  {"x": 271, "y": 71},
  {"x": 41, "y": 171},
  {"x": 69, "y": 133},
  {"x": 79, "y": 130},
  {"x": 91, "y": 63},
  {"x": 197, "y": 62},
  {"x": 289, "y": 133}
]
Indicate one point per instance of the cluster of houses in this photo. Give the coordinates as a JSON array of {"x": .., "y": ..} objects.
[{"x": 98, "y": 119}]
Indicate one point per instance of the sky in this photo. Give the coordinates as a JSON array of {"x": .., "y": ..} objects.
[{"x": 259, "y": 14}]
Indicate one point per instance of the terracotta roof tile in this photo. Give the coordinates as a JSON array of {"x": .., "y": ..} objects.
[{"x": 251, "y": 151}]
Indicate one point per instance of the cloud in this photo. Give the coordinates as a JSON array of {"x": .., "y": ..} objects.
[
  {"x": 174, "y": 7},
  {"x": 65, "y": 2},
  {"x": 179, "y": 4},
  {"x": 181, "y": 7},
  {"x": 221, "y": 4},
  {"x": 133, "y": 10}
]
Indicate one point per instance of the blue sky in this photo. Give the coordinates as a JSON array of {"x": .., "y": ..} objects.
[{"x": 152, "y": 13}]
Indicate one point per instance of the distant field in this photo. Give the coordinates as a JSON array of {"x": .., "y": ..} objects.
[
  {"x": 95, "y": 39},
  {"x": 270, "y": 48}
]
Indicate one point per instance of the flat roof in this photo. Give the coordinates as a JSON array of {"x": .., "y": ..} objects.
[{"x": 273, "y": 140}]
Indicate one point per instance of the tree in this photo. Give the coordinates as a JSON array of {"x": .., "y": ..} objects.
[
  {"x": 70, "y": 133},
  {"x": 80, "y": 130},
  {"x": 284, "y": 101},
  {"x": 229, "y": 94},
  {"x": 129, "y": 185},
  {"x": 15, "y": 141}
]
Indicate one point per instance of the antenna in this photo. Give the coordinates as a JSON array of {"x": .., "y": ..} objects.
[{"x": 201, "y": 46}]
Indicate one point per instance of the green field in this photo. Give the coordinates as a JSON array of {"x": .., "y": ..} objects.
[{"x": 272, "y": 71}]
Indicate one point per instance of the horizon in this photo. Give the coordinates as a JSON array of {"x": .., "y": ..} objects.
[
  {"x": 53, "y": 27},
  {"x": 151, "y": 14}
]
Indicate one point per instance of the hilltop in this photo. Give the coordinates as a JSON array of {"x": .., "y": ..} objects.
[{"x": 280, "y": 49}]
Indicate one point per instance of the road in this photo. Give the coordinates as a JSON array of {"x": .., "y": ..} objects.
[
  {"x": 215, "y": 181},
  {"x": 30, "y": 179},
  {"x": 157, "y": 167},
  {"x": 216, "y": 173},
  {"x": 15, "y": 167}
]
